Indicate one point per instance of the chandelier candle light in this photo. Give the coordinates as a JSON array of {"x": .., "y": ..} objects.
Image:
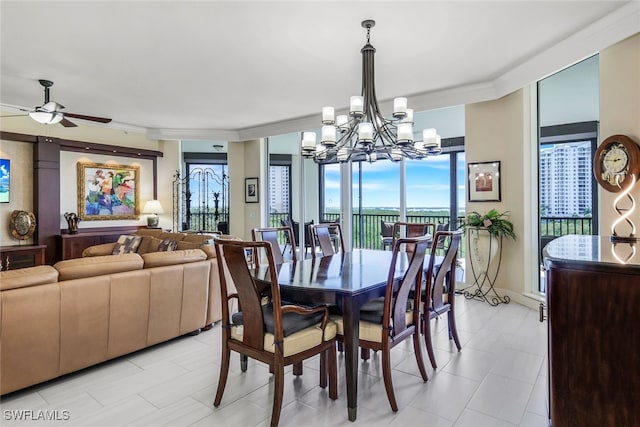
[{"x": 365, "y": 135}]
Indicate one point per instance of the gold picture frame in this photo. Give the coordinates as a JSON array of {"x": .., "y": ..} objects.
[{"x": 108, "y": 191}]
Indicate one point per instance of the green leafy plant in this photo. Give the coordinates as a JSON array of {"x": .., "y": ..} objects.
[{"x": 495, "y": 222}]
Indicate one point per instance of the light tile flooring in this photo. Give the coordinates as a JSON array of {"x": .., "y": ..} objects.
[{"x": 498, "y": 379}]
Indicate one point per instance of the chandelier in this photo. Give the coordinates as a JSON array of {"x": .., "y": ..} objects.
[{"x": 365, "y": 135}]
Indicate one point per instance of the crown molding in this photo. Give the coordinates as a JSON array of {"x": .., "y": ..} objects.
[{"x": 611, "y": 29}]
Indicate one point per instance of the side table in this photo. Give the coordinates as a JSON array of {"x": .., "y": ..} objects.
[{"x": 14, "y": 257}]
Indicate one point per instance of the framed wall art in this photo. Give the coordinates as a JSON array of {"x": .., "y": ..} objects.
[
  {"x": 5, "y": 180},
  {"x": 484, "y": 182},
  {"x": 108, "y": 192},
  {"x": 251, "y": 190}
]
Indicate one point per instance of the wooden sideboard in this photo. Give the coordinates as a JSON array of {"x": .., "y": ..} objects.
[
  {"x": 14, "y": 257},
  {"x": 72, "y": 245},
  {"x": 593, "y": 303}
]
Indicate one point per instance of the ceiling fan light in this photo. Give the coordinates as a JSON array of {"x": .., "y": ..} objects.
[
  {"x": 45, "y": 117},
  {"x": 51, "y": 107}
]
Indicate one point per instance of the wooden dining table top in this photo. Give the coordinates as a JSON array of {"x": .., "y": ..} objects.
[{"x": 347, "y": 272}]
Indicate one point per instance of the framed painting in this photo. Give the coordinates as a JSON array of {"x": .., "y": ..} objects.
[
  {"x": 484, "y": 182},
  {"x": 5, "y": 180},
  {"x": 251, "y": 190},
  {"x": 108, "y": 192}
]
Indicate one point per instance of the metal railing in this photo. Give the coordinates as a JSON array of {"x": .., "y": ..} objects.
[{"x": 561, "y": 226}]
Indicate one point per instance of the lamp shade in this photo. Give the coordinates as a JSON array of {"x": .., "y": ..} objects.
[{"x": 153, "y": 207}]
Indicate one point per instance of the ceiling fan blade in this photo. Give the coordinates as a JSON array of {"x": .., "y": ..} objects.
[
  {"x": 67, "y": 123},
  {"x": 15, "y": 115},
  {"x": 90, "y": 118}
]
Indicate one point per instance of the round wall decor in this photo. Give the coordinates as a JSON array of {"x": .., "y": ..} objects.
[{"x": 22, "y": 224}]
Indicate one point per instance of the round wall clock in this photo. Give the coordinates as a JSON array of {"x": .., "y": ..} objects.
[
  {"x": 616, "y": 163},
  {"x": 22, "y": 224}
]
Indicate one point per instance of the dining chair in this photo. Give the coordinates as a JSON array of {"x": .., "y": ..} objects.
[
  {"x": 271, "y": 235},
  {"x": 386, "y": 233},
  {"x": 412, "y": 229},
  {"x": 327, "y": 236},
  {"x": 439, "y": 289},
  {"x": 386, "y": 322},
  {"x": 295, "y": 226},
  {"x": 275, "y": 334},
  {"x": 441, "y": 243}
]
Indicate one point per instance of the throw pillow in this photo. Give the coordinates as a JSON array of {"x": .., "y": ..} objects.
[
  {"x": 126, "y": 244},
  {"x": 167, "y": 245}
]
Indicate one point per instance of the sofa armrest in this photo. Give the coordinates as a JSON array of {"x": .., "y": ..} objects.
[{"x": 98, "y": 250}]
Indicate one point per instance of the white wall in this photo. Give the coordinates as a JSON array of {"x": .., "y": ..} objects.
[
  {"x": 619, "y": 113},
  {"x": 501, "y": 130}
]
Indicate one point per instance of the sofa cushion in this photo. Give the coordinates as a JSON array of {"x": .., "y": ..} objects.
[
  {"x": 98, "y": 265},
  {"x": 171, "y": 236},
  {"x": 160, "y": 259},
  {"x": 149, "y": 244},
  {"x": 167, "y": 245},
  {"x": 127, "y": 244},
  {"x": 198, "y": 238},
  {"x": 155, "y": 232},
  {"x": 29, "y": 276},
  {"x": 208, "y": 249},
  {"x": 183, "y": 244}
]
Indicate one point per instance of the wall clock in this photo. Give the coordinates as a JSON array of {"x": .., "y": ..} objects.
[
  {"x": 616, "y": 163},
  {"x": 22, "y": 224},
  {"x": 616, "y": 166}
]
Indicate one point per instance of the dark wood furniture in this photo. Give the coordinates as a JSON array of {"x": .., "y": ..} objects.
[
  {"x": 386, "y": 322},
  {"x": 328, "y": 237},
  {"x": 72, "y": 245},
  {"x": 348, "y": 280},
  {"x": 593, "y": 302},
  {"x": 14, "y": 257},
  {"x": 276, "y": 333},
  {"x": 271, "y": 234},
  {"x": 440, "y": 282}
]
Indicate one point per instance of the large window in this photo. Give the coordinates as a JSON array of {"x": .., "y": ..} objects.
[
  {"x": 568, "y": 111},
  {"x": 434, "y": 191},
  {"x": 279, "y": 188}
]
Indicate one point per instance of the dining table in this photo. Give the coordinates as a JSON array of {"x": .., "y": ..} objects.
[{"x": 347, "y": 280}]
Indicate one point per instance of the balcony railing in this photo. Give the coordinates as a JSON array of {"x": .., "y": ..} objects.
[{"x": 371, "y": 231}]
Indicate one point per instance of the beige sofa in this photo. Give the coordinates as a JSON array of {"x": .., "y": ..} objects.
[{"x": 80, "y": 312}]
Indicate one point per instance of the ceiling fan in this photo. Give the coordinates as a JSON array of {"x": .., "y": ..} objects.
[{"x": 50, "y": 112}]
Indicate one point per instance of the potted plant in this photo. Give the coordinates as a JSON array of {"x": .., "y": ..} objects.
[
  {"x": 485, "y": 240},
  {"x": 494, "y": 222}
]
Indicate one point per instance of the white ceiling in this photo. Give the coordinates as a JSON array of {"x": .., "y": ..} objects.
[{"x": 239, "y": 69}]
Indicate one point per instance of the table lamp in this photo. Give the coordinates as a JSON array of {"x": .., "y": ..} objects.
[{"x": 154, "y": 208}]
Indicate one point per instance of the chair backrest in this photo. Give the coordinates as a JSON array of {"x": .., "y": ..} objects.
[
  {"x": 295, "y": 226},
  {"x": 386, "y": 228},
  {"x": 412, "y": 229},
  {"x": 324, "y": 237},
  {"x": 442, "y": 227},
  {"x": 396, "y": 297},
  {"x": 436, "y": 274},
  {"x": 232, "y": 263},
  {"x": 271, "y": 234}
]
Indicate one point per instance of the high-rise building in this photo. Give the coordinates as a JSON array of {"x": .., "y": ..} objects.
[
  {"x": 565, "y": 179},
  {"x": 279, "y": 189}
]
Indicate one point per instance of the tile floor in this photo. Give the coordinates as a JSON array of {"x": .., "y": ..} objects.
[{"x": 498, "y": 379}]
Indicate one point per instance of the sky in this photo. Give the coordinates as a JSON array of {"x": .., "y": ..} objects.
[{"x": 427, "y": 183}]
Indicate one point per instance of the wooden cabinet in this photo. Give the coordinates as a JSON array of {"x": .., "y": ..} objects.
[
  {"x": 14, "y": 257},
  {"x": 593, "y": 303},
  {"x": 72, "y": 245}
]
